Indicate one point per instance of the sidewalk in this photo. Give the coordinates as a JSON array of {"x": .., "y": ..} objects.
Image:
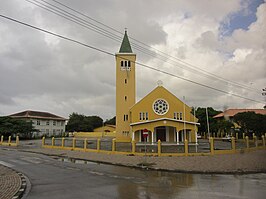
[
  {"x": 250, "y": 162},
  {"x": 10, "y": 183}
]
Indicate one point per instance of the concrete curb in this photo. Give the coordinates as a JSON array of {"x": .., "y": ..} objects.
[{"x": 23, "y": 186}]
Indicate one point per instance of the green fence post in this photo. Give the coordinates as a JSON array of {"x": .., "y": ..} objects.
[{"x": 9, "y": 139}]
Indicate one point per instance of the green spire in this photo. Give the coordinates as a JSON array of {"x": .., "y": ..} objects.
[{"x": 125, "y": 46}]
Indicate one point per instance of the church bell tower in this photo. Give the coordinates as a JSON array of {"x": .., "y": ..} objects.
[{"x": 125, "y": 87}]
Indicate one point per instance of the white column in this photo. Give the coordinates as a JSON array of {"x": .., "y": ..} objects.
[
  {"x": 174, "y": 134},
  {"x": 133, "y": 135},
  {"x": 167, "y": 133},
  {"x": 177, "y": 137},
  {"x": 196, "y": 136},
  {"x": 152, "y": 138},
  {"x": 184, "y": 118},
  {"x": 155, "y": 135}
]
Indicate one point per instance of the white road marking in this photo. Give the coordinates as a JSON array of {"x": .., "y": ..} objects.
[
  {"x": 33, "y": 160},
  {"x": 19, "y": 162},
  {"x": 6, "y": 164}
]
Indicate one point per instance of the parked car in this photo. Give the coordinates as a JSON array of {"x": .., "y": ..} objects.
[
  {"x": 227, "y": 138},
  {"x": 70, "y": 134},
  {"x": 198, "y": 136}
]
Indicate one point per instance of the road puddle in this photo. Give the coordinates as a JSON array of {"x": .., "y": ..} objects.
[{"x": 76, "y": 161}]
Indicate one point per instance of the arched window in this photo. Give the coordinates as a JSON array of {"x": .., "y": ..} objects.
[
  {"x": 128, "y": 63},
  {"x": 122, "y": 63},
  {"x": 125, "y": 63}
]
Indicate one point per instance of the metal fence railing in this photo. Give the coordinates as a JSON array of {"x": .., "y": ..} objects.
[{"x": 209, "y": 146}]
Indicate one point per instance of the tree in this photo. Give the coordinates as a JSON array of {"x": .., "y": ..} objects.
[
  {"x": 111, "y": 121},
  {"x": 79, "y": 122},
  {"x": 250, "y": 122},
  {"x": 201, "y": 115},
  {"x": 224, "y": 126},
  {"x": 10, "y": 126},
  {"x": 95, "y": 121}
]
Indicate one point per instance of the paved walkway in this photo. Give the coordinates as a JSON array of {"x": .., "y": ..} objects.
[
  {"x": 10, "y": 182},
  {"x": 230, "y": 163}
]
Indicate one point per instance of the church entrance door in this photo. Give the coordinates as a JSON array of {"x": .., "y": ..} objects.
[{"x": 161, "y": 133}]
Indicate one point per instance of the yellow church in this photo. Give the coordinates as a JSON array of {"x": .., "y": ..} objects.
[{"x": 160, "y": 113}]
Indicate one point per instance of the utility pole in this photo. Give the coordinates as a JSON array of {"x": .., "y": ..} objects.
[
  {"x": 208, "y": 126},
  {"x": 184, "y": 118},
  {"x": 264, "y": 94}
]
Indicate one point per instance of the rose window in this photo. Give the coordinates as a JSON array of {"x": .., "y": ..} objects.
[{"x": 160, "y": 106}]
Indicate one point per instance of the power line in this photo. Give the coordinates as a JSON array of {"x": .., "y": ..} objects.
[
  {"x": 111, "y": 54},
  {"x": 83, "y": 23},
  {"x": 169, "y": 56},
  {"x": 57, "y": 35},
  {"x": 161, "y": 55}
]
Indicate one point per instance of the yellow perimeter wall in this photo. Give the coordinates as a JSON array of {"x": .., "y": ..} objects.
[{"x": 94, "y": 134}]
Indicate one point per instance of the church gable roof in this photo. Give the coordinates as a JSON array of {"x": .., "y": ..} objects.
[
  {"x": 159, "y": 92},
  {"x": 125, "y": 46}
]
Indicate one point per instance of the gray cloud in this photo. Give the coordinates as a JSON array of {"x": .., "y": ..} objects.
[{"x": 41, "y": 72}]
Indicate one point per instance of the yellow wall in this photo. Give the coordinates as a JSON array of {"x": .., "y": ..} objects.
[
  {"x": 107, "y": 128},
  {"x": 175, "y": 105},
  {"x": 124, "y": 89},
  {"x": 155, "y": 120},
  {"x": 94, "y": 134}
]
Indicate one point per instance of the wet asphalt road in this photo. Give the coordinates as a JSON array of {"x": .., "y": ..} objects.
[{"x": 56, "y": 178}]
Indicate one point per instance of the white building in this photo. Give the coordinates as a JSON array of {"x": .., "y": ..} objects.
[{"x": 46, "y": 123}]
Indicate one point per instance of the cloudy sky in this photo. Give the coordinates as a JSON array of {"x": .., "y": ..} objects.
[{"x": 219, "y": 44}]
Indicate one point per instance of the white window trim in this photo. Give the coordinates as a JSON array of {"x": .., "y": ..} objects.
[{"x": 155, "y": 110}]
